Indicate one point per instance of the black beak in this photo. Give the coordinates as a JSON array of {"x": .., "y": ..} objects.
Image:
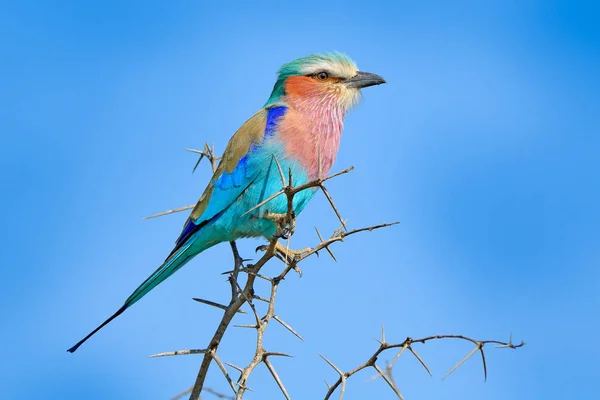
[{"x": 363, "y": 80}]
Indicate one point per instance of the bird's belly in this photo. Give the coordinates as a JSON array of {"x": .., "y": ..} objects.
[{"x": 244, "y": 219}]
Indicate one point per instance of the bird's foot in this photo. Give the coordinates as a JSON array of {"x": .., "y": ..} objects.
[
  {"x": 285, "y": 227},
  {"x": 285, "y": 252},
  {"x": 290, "y": 254}
]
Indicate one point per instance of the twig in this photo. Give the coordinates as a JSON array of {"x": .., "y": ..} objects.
[
  {"x": 407, "y": 344},
  {"x": 209, "y": 153}
]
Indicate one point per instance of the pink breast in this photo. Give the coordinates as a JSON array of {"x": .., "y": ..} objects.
[{"x": 311, "y": 134}]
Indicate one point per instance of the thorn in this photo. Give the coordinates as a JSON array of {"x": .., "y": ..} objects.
[
  {"x": 462, "y": 361},
  {"x": 266, "y": 278},
  {"x": 234, "y": 366},
  {"x": 257, "y": 297},
  {"x": 337, "y": 213},
  {"x": 246, "y": 326},
  {"x": 484, "y": 364},
  {"x": 332, "y": 365},
  {"x": 326, "y": 247},
  {"x": 400, "y": 353},
  {"x": 175, "y": 210},
  {"x": 223, "y": 370},
  {"x": 276, "y": 377},
  {"x": 178, "y": 353},
  {"x": 339, "y": 173},
  {"x": 262, "y": 203},
  {"x": 217, "y": 305},
  {"x": 387, "y": 380},
  {"x": 243, "y": 387},
  {"x": 339, "y": 232},
  {"x": 276, "y": 354},
  {"x": 198, "y": 162},
  {"x": 286, "y": 326},
  {"x": 420, "y": 360},
  {"x": 243, "y": 294},
  {"x": 281, "y": 175}
]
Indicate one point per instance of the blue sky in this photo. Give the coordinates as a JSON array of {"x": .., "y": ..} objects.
[{"x": 484, "y": 145}]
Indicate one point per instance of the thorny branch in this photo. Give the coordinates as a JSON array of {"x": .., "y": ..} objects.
[
  {"x": 241, "y": 295},
  {"x": 407, "y": 344},
  {"x": 209, "y": 154}
]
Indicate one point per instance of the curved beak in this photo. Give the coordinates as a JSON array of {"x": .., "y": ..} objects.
[{"x": 363, "y": 80}]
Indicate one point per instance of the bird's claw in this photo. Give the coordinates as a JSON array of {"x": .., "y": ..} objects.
[
  {"x": 298, "y": 270},
  {"x": 285, "y": 233},
  {"x": 263, "y": 247}
]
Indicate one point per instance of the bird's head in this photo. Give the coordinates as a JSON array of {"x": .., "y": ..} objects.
[{"x": 321, "y": 79}]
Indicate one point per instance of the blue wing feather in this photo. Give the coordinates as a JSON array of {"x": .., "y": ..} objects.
[
  {"x": 273, "y": 118},
  {"x": 228, "y": 186}
]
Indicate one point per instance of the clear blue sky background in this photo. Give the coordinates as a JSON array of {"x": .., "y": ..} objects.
[{"x": 484, "y": 144}]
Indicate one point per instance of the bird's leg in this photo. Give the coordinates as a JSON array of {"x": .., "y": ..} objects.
[
  {"x": 288, "y": 253},
  {"x": 285, "y": 223},
  {"x": 284, "y": 251}
]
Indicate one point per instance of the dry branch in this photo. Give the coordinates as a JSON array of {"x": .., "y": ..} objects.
[
  {"x": 245, "y": 294},
  {"x": 407, "y": 344}
]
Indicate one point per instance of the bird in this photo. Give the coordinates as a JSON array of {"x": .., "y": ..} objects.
[{"x": 298, "y": 129}]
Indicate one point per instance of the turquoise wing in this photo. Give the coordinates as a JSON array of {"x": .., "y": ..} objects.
[{"x": 233, "y": 175}]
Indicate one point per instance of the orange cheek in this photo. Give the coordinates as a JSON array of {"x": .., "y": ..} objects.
[{"x": 303, "y": 86}]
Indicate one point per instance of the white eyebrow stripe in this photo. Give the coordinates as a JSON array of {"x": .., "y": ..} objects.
[{"x": 341, "y": 70}]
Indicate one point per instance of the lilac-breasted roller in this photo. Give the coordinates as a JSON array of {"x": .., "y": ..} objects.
[{"x": 300, "y": 128}]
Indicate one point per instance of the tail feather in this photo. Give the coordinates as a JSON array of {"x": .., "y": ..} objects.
[
  {"x": 169, "y": 267},
  {"x": 115, "y": 315},
  {"x": 175, "y": 261}
]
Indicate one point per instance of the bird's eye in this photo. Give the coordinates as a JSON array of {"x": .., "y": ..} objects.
[{"x": 322, "y": 75}]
